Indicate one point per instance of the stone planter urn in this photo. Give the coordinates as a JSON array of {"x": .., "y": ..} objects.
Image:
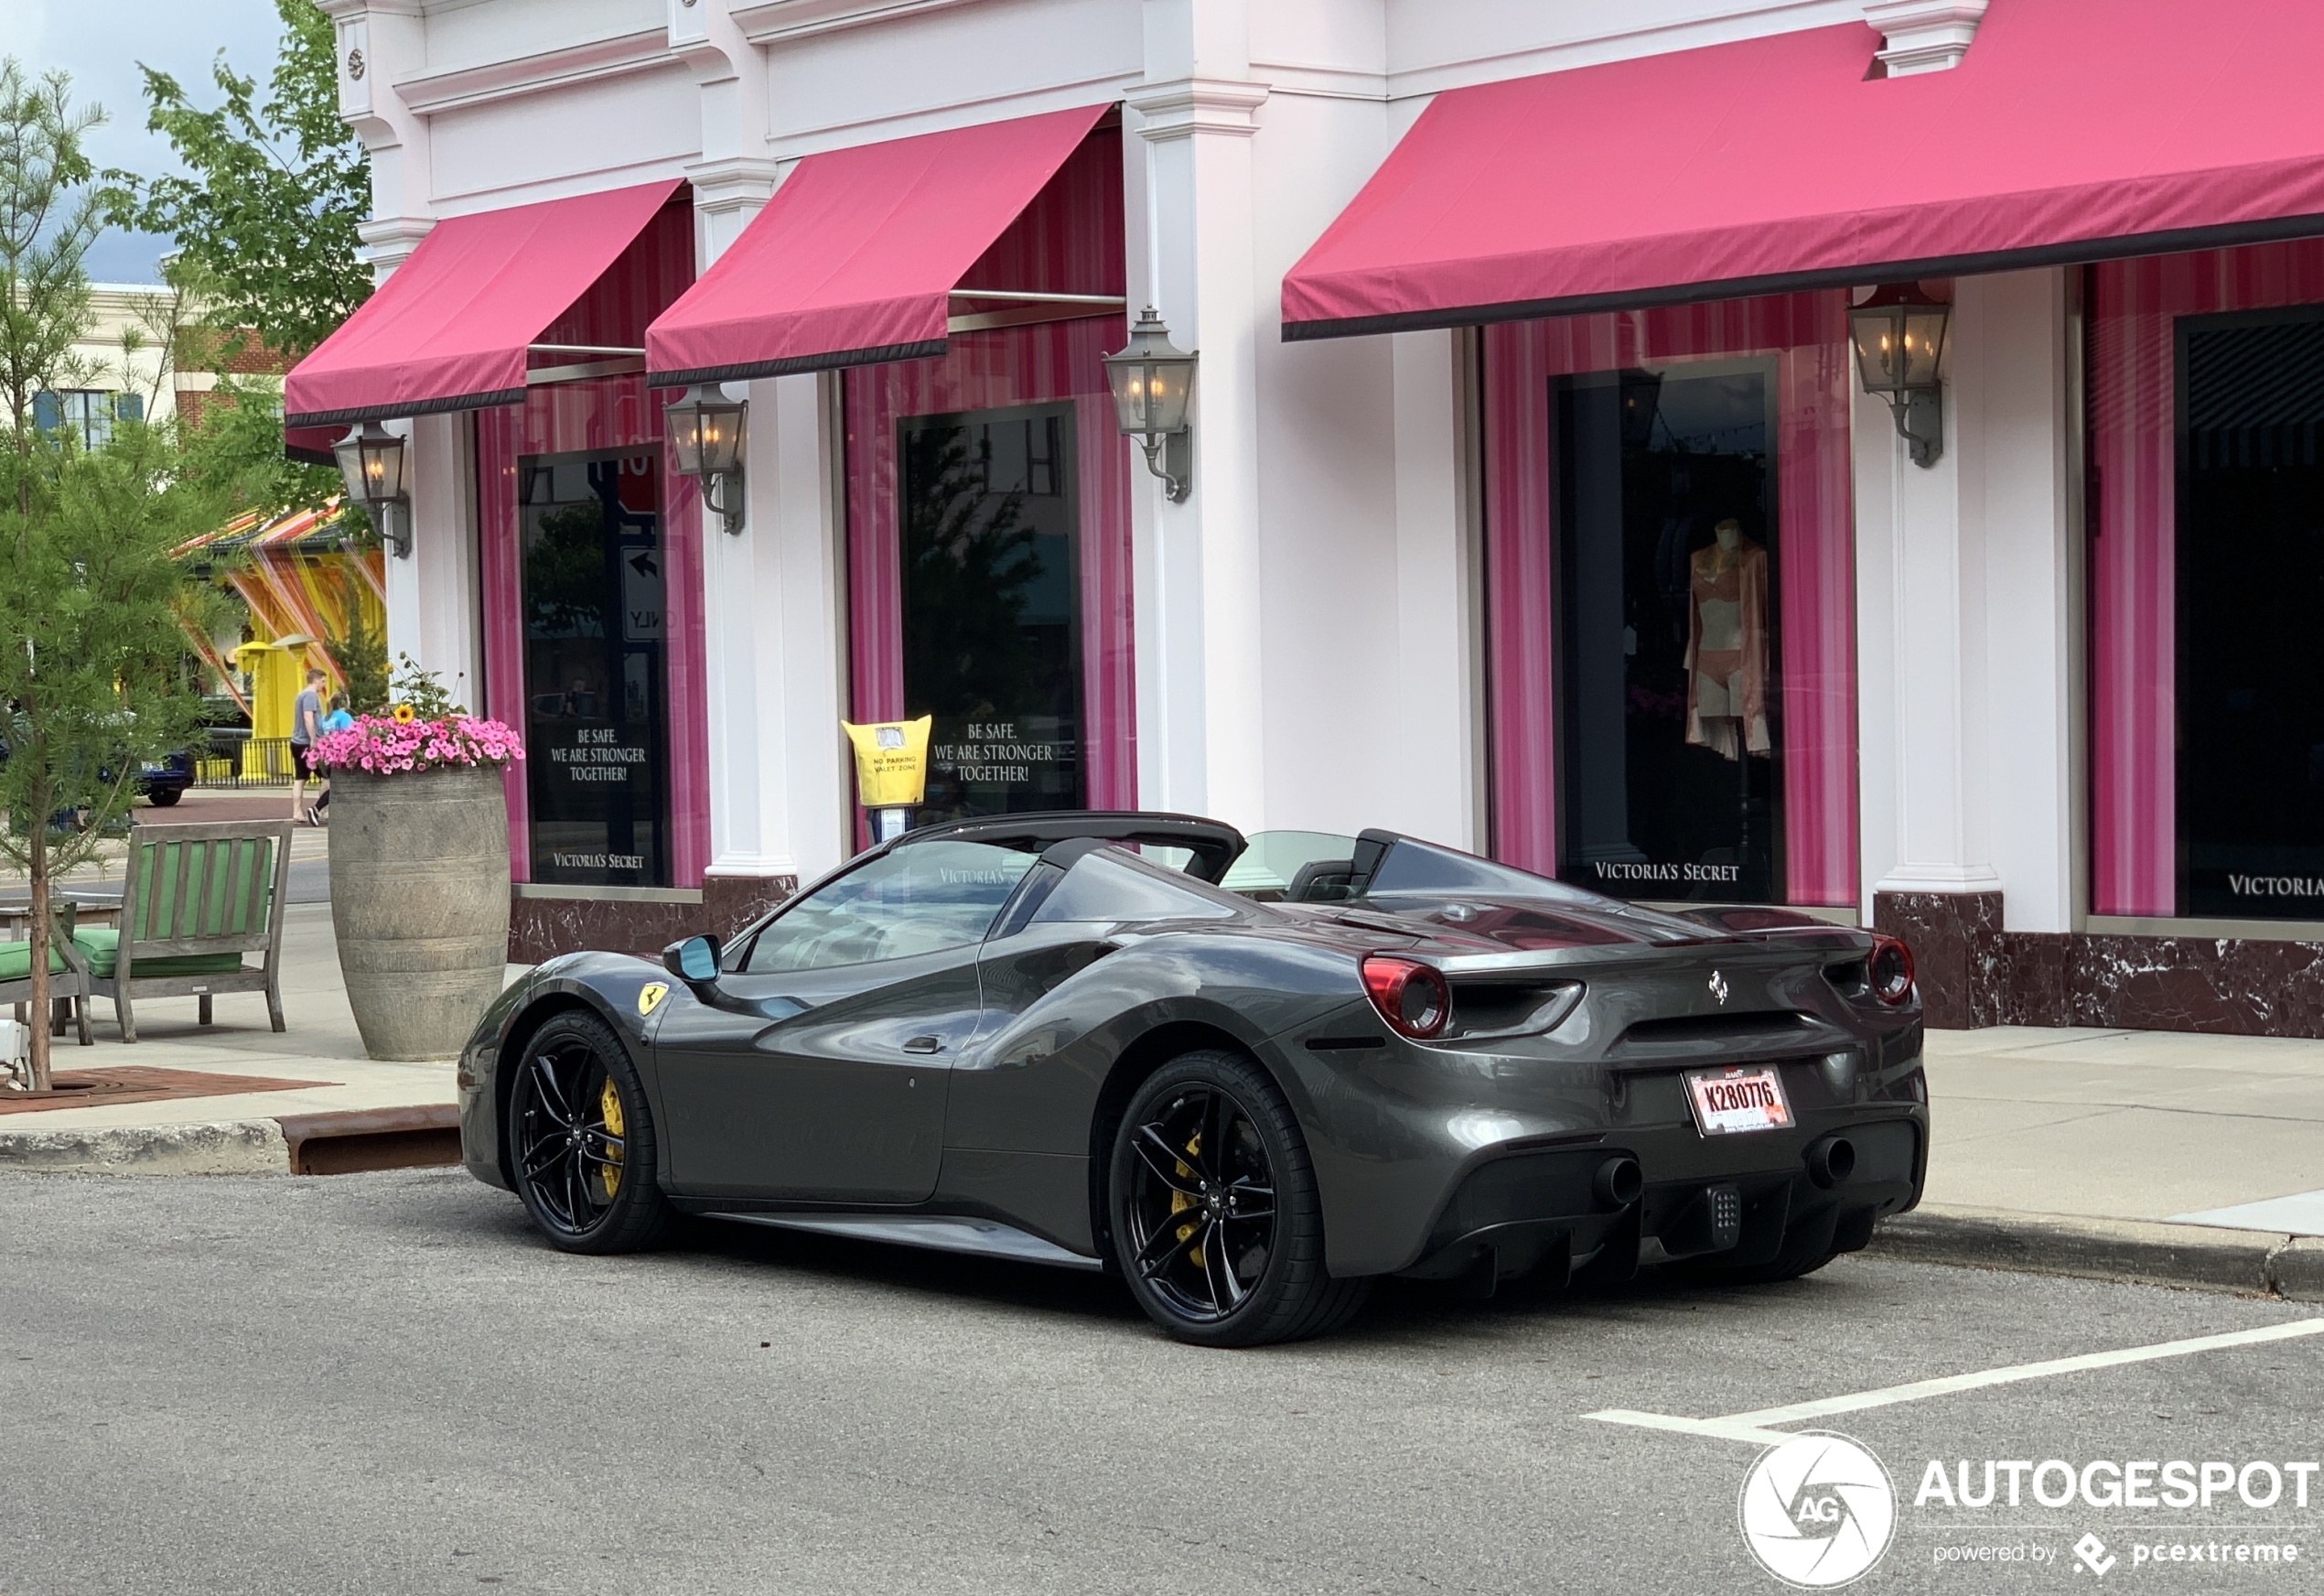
[{"x": 419, "y": 857}]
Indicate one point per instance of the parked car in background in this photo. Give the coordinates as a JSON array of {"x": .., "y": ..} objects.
[{"x": 164, "y": 779}]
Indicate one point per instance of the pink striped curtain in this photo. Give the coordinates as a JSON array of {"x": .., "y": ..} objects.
[
  {"x": 572, "y": 418},
  {"x": 2134, "y": 558},
  {"x": 1068, "y": 241},
  {"x": 1808, "y": 335}
]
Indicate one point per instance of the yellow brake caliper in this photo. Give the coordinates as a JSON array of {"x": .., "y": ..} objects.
[
  {"x": 610, "y": 1175},
  {"x": 1180, "y": 1202}
]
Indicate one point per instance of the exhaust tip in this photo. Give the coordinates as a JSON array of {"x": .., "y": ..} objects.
[
  {"x": 1619, "y": 1183},
  {"x": 1831, "y": 1161}
]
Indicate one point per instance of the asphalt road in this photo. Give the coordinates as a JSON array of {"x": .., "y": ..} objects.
[{"x": 384, "y": 1384}]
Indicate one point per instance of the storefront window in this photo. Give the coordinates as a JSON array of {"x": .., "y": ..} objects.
[
  {"x": 988, "y": 528},
  {"x": 1672, "y": 649},
  {"x": 1670, "y": 593},
  {"x": 595, "y": 705},
  {"x": 2207, "y": 741},
  {"x": 991, "y": 636}
]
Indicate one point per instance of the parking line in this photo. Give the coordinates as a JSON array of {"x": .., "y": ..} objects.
[{"x": 1756, "y": 1427}]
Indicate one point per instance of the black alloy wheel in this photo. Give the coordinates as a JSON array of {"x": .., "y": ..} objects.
[
  {"x": 581, "y": 1140},
  {"x": 1217, "y": 1225}
]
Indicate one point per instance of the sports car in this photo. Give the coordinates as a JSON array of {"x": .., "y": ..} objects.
[{"x": 1251, "y": 1076}]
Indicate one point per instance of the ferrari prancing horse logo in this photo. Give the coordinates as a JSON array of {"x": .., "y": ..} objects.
[
  {"x": 1717, "y": 985},
  {"x": 651, "y": 995}
]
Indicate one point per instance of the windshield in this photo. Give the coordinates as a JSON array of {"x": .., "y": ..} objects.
[{"x": 1294, "y": 867}]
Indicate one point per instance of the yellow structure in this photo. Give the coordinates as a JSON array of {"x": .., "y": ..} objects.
[{"x": 276, "y": 671}]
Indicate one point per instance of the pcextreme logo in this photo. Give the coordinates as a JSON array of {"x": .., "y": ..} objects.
[{"x": 1817, "y": 1511}]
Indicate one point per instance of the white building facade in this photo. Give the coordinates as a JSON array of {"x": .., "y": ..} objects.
[{"x": 1647, "y": 594}]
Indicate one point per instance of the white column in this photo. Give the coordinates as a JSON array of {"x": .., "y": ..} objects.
[
  {"x": 434, "y": 599},
  {"x": 1198, "y": 600},
  {"x": 1965, "y": 576},
  {"x": 774, "y": 608},
  {"x": 1435, "y": 791}
]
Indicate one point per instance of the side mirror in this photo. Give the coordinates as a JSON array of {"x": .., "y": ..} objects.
[{"x": 694, "y": 961}]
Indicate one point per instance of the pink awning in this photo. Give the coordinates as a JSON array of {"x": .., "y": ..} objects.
[
  {"x": 855, "y": 258},
  {"x": 2073, "y": 130},
  {"x": 449, "y": 330}
]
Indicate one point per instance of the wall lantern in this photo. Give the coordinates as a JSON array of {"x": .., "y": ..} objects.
[
  {"x": 373, "y": 461},
  {"x": 1899, "y": 342},
  {"x": 707, "y": 432},
  {"x": 1152, "y": 382}
]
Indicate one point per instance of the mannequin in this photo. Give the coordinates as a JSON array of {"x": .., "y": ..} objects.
[{"x": 1727, "y": 644}]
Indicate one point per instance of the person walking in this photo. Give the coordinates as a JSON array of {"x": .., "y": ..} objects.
[
  {"x": 339, "y": 719},
  {"x": 306, "y": 725}
]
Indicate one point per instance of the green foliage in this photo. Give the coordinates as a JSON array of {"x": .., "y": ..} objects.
[
  {"x": 92, "y": 673},
  {"x": 235, "y": 452},
  {"x": 51, "y": 209},
  {"x": 361, "y": 653},
  {"x": 422, "y": 692},
  {"x": 267, "y": 214}
]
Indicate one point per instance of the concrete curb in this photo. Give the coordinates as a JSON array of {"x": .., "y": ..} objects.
[
  {"x": 2192, "y": 1257},
  {"x": 331, "y": 1143},
  {"x": 230, "y": 1146}
]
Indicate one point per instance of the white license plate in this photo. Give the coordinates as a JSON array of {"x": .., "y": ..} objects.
[{"x": 1729, "y": 1102}]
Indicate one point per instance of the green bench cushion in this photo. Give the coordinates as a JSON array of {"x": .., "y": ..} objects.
[
  {"x": 101, "y": 945},
  {"x": 16, "y": 961}
]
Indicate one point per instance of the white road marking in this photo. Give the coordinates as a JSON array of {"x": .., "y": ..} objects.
[{"x": 1756, "y": 1427}]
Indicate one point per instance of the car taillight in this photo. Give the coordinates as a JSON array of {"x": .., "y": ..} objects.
[
  {"x": 1410, "y": 996},
  {"x": 1891, "y": 970}
]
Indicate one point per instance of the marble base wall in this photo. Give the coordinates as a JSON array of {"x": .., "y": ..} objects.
[
  {"x": 731, "y": 903},
  {"x": 1974, "y": 973},
  {"x": 541, "y": 928},
  {"x": 1957, "y": 949}
]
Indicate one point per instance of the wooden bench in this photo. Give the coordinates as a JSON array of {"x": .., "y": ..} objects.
[
  {"x": 68, "y": 970},
  {"x": 195, "y": 901}
]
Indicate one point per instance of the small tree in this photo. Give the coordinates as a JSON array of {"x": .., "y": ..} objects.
[
  {"x": 91, "y": 677},
  {"x": 51, "y": 211},
  {"x": 359, "y": 652}
]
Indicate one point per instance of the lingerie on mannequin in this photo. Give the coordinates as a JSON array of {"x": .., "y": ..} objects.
[{"x": 1726, "y": 645}]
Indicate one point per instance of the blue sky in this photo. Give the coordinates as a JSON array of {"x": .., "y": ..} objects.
[{"x": 100, "y": 44}]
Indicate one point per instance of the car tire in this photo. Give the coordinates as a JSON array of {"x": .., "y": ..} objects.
[
  {"x": 163, "y": 797},
  {"x": 580, "y": 1141},
  {"x": 1203, "y": 1264}
]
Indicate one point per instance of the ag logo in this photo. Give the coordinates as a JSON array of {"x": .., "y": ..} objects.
[
  {"x": 651, "y": 995},
  {"x": 1817, "y": 1511}
]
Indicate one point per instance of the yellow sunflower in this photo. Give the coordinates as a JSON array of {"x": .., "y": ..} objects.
[{"x": 406, "y": 714}]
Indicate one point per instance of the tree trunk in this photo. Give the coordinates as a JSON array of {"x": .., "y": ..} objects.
[{"x": 39, "y": 826}]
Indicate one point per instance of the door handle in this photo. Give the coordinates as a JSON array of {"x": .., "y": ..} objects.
[{"x": 923, "y": 1044}]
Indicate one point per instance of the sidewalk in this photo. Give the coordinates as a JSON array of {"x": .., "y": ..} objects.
[
  {"x": 243, "y": 1132},
  {"x": 2163, "y": 1156}
]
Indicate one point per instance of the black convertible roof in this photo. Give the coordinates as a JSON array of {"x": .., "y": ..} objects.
[{"x": 1213, "y": 843}]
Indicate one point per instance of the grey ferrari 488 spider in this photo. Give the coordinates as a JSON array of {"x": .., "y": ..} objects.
[{"x": 1251, "y": 1076}]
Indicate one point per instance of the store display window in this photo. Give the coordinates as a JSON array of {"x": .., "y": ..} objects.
[
  {"x": 1671, "y": 601},
  {"x": 2207, "y": 744},
  {"x": 590, "y": 546},
  {"x": 988, "y": 530}
]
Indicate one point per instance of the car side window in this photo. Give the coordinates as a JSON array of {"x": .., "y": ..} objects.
[
  {"x": 1112, "y": 885},
  {"x": 921, "y": 898}
]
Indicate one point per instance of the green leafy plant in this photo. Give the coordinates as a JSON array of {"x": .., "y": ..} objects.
[
  {"x": 273, "y": 191},
  {"x": 359, "y": 652},
  {"x": 422, "y": 692},
  {"x": 92, "y": 677}
]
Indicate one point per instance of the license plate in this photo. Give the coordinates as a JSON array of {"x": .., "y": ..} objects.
[{"x": 1730, "y": 1102}]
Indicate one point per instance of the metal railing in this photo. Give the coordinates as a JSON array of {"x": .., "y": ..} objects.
[{"x": 232, "y": 758}]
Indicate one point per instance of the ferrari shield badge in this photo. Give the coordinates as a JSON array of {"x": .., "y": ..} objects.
[{"x": 651, "y": 995}]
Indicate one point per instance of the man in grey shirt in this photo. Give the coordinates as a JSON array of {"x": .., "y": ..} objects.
[{"x": 306, "y": 725}]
